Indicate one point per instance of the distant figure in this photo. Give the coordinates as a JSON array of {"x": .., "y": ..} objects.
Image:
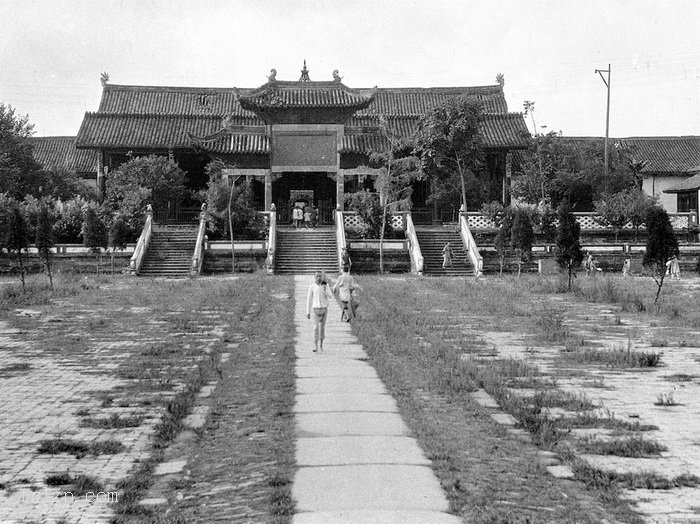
[
  {"x": 447, "y": 256},
  {"x": 307, "y": 217},
  {"x": 591, "y": 265},
  {"x": 673, "y": 268},
  {"x": 345, "y": 261},
  {"x": 626, "y": 267},
  {"x": 297, "y": 216},
  {"x": 345, "y": 287},
  {"x": 314, "y": 216}
]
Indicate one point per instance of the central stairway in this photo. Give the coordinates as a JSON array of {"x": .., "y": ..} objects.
[
  {"x": 170, "y": 251},
  {"x": 431, "y": 242},
  {"x": 306, "y": 251}
]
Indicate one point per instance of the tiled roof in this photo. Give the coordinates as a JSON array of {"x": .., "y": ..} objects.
[
  {"x": 305, "y": 94},
  {"x": 144, "y": 130},
  {"x": 59, "y": 151},
  {"x": 499, "y": 131},
  {"x": 674, "y": 155},
  {"x": 233, "y": 143},
  {"x": 169, "y": 117},
  {"x": 689, "y": 184}
]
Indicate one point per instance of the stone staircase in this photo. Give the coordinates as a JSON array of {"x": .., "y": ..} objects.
[
  {"x": 306, "y": 251},
  {"x": 431, "y": 242},
  {"x": 170, "y": 251}
]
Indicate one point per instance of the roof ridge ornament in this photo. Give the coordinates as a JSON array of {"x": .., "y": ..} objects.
[
  {"x": 305, "y": 74},
  {"x": 336, "y": 76},
  {"x": 273, "y": 76},
  {"x": 104, "y": 78}
]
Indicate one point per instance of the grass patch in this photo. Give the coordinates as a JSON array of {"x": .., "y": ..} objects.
[
  {"x": 80, "y": 485},
  {"x": 635, "y": 447},
  {"x": 609, "y": 481},
  {"x": 666, "y": 399},
  {"x": 563, "y": 399},
  {"x": 680, "y": 377},
  {"x": 80, "y": 449},
  {"x": 14, "y": 369},
  {"x": 590, "y": 420},
  {"x": 112, "y": 422},
  {"x": 614, "y": 358}
]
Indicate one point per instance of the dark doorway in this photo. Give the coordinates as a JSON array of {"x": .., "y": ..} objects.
[{"x": 317, "y": 189}]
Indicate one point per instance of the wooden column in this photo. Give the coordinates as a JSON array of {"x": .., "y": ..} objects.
[
  {"x": 506, "y": 178},
  {"x": 340, "y": 190},
  {"x": 268, "y": 190}
]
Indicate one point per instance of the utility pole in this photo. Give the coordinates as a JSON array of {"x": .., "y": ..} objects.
[{"x": 607, "y": 114}]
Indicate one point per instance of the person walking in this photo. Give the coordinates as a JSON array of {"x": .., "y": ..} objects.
[
  {"x": 297, "y": 216},
  {"x": 345, "y": 286},
  {"x": 345, "y": 261},
  {"x": 317, "y": 304},
  {"x": 674, "y": 268},
  {"x": 307, "y": 217},
  {"x": 447, "y": 256}
]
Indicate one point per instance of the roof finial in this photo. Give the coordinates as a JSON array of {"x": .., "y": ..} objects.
[
  {"x": 305, "y": 74},
  {"x": 273, "y": 76},
  {"x": 500, "y": 80},
  {"x": 336, "y": 76},
  {"x": 104, "y": 78}
]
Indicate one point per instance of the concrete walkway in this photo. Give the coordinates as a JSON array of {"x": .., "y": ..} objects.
[{"x": 357, "y": 461}]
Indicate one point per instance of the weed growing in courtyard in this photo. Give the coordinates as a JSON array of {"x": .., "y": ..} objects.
[
  {"x": 80, "y": 449},
  {"x": 666, "y": 399},
  {"x": 635, "y": 446}
]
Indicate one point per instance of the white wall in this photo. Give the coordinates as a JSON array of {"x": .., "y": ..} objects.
[{"x": 655, "y": 185}]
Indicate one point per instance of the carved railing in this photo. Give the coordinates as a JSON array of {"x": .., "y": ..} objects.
[
  {"x": 340, "y": 234},
  {"x": 142, "y": 244},
  {"x": 470, "y": 245},
  {"x": 590, "y": 222},
  {"x": 271, "y": 240},
  {"x": 414, "y": 246},
  {"x": 198, "y": 256}
]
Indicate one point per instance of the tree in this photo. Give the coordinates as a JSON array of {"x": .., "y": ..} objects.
[
  {"x": 613, "y": 210},
  {"x": 17, "y": 164},
  {"x": 143, "y": 180},
  {"x": 568, "y": 249},
  {"x": 399, "y": 168},
  {"x": 94, "y": 234},
  {"x": 118, "y": 236},
  {"x": 662, "y": 245},
  {"x": 556, "y": 169},
  {"x": 16, "y": 238},
  {"x": 502, "y": 241},
  {"x": 521, "y": 237},
  {"x": 638, "y": 206},
  {"x": 449, "y": 142},
  {"x": 44, "y": 239}
]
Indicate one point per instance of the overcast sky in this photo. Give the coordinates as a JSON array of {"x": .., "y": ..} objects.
[{"x": 52, "y": 53}]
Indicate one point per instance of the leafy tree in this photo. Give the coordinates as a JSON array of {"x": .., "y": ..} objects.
[
  {"x": 555, "y": 168},
  {"x": 94, "y": 234},
  {"x": 494, "y": 211},
  {"x": 449, "y": 143},
  {"x": 17, "y": 164},
  {"x": 613, "y": 210},
  {"x": 118, "y": 236},
  {"x": 16, "y": 238},
  {"x": 368, "y": 209},
  {"x": 143, "y": 180},
  {"x": 568, "y": 250},
  {"x": 662, "y": 245},
  {"x": 44, "y": 239},
  {"x": 69, "y": 219},
  {"x": 638, "y": 206},
  {"x": 503, "y": 237},
  {"x": 522, "y": 236}
]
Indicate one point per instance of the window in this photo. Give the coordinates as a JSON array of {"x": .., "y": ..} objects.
[{"x": 687, "y": 202}]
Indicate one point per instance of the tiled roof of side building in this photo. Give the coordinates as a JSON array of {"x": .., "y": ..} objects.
[
  {"x": 667, "y": 155},
  {"x": 60, "y": 151}
]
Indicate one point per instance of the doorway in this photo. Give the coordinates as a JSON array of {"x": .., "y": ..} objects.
[{"x": 312, "y": 188}]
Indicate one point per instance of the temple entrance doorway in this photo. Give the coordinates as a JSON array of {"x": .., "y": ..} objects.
[{"x": 305, "y": 188}]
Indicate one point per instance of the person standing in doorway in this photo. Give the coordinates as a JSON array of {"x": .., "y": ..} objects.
[
  {"x": 307, "y": 217},
  {"x": 298, "y": 216},
  {"x": 314, "y": 216},
  {"x": 317, "y": 305}
]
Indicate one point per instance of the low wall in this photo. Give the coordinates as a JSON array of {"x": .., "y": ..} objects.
[
  {"x": 365, "y": 256},
  {"x": 68, "y": 258}
]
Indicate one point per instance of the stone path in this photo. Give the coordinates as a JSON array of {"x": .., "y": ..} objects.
[{"x": 357, "y": 460}]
